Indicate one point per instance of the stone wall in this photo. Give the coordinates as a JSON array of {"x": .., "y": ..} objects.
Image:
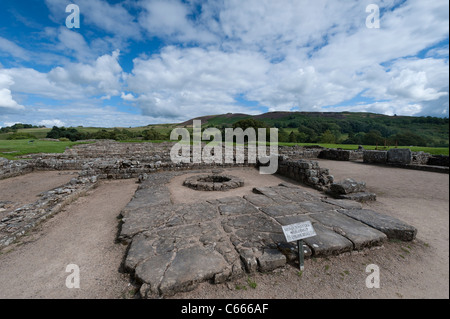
[
  {"x": 340, "y": 155},
  {"x": 306, "y": 172},
  {"x": 24, "y": 218},
  {"x": 14, "y": 168},
  {"x": 438, "y": 160},
  {"x": 375, "y": 157}
]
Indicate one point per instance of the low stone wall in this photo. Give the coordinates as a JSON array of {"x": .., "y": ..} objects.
[
  {"x": 399, "y": 156},
  {"x": 375, "y": 157},
  {"x": 306, "y": 172},
  {"x": 14, "y": 168},
  {"x": 438, "y": 160},
  {"x": 340, "y": 155},
  {"x": 404, "y": 158},
  {"x": 24, "y": 218}
]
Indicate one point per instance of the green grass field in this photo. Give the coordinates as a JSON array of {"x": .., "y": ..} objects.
[{"x": 13, "y": 149}]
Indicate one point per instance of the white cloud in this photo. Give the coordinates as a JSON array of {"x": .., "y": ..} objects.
[
  {"x": 51, "y": 123},
  {"x": 169, "y": 19},
  {"x": 112, "y": 18},
  {"x": 74, "y": 81},
  {"x": 13, "y": 49},
  {"x": 183, "y": 82},
  {"x": 6, "y": 99}
]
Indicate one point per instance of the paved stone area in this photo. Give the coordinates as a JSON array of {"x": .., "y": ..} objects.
[{"x": 173, "y": 247}]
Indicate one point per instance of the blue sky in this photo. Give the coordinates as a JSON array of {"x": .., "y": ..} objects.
[{"x": 134, "y": 63}]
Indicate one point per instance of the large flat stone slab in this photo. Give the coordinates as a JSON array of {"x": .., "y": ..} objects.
[
  {"x": 191, "y": 266},
  {"x": 359, "y": 234},
  {"x": 283, "y": 210},
  {"x": 260, "y": 200},
  {"x": 391, "y": 226},
  {"x": 326, "y": 242}
]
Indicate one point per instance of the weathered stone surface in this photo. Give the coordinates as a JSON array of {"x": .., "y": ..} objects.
[
  {"x": 271, "y": 259},
  {"x": 358, "y": 233},
  {"x": 191, "y": 266},
  {"x": 392, "y": 227},
  {"x": 327, "y": 242},
  {"x": 140, "y": 249},
  {"x": 348, "y": 186},
  {"x": 152, "y": 270},
  {"x": 376, "y": 157},
  {"x": 249, "y": 258},
  {"x": 283, "y": 210},
  {"x": 271, "y": 193},
  {"x": 359, "y": 197},
  {"x": 399, "y": 156},
  {"x": 260, "y": 200},
  {"x": 316, "y": 207},
  {"x": 237, "y": 208},
  {"x": 346, "y": 204}
]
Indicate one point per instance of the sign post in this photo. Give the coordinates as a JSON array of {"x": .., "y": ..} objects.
[{"x": 298, "y": 232}]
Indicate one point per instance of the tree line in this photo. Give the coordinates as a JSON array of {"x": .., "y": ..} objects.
[{"x": 73, "y": 134}]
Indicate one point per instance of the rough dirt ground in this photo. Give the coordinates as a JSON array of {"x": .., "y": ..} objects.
[
  {"x": 84, "y": 234},
  {"x": 25, "y": 189}
]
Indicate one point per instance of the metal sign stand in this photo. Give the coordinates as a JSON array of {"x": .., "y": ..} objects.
[
  {"x": 298, "y": 232},
  {"x": 301, "y": 257}
]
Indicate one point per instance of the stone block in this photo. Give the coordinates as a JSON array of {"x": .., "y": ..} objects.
[
  {"x": 376, "y": 157},
  {"x": 399, "y": 156},
  {"x": 271, "y": 259},
  {"x": 348, "y": 186},
  {"x": 391, "y": 226},
  {"x": 359, "y": 234}
]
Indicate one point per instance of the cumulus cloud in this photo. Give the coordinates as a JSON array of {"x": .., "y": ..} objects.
[
  {"x": 6, "y": 100},
  {"x": 74, "y": 81},
  {"x": 182, "y": 82}
]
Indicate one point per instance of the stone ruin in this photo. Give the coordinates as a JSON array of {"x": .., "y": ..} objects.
[
  {"x": 213, "y": 182},
  {"x": 175, "y": 246}
]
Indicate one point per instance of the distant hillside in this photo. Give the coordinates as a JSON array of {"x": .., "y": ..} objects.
[
  {"x": 343, "y": 127},
  {"x": 294, "y": 127}
]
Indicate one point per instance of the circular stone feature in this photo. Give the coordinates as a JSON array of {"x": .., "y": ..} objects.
[{"x": 213, "y": 182}]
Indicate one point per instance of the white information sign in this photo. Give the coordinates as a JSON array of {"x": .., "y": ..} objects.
[{"x": 298, "y": 231}]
